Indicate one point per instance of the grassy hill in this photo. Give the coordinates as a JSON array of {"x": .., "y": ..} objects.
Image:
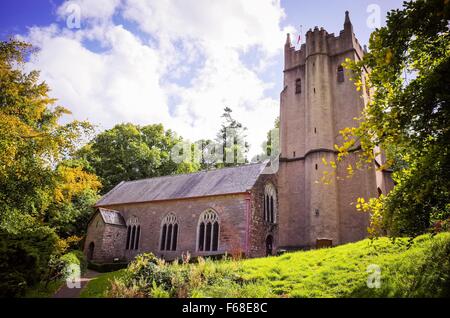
[{"x": 409, "y": 268}]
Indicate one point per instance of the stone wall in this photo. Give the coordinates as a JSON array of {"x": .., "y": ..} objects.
[
  {"x": 232, "y": 211},
  {"x": 95, "y": 230},
  {"x": 109, "y": 240},
  {"x": 261, "y": 229}
]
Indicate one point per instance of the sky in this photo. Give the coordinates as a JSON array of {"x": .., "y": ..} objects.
[{"x": 177, "y": 62}]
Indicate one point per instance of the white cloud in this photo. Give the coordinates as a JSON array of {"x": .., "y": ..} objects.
[
  {"x": 96, "y": 10},
  {"x": 214, "y": 24},
  {"x": 131, "y": 80},
  {"x": 121, "y": 84}
]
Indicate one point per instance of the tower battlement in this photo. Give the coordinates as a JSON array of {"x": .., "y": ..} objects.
[{"x": 319, "y": 41}]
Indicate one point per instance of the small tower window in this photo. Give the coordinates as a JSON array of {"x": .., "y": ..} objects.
[
  {"x": 298, "y": 86},
  {"x": 270, "y": 204},
  {"x": 317, "y": 166},
  {"x": 340, "y": 74}
]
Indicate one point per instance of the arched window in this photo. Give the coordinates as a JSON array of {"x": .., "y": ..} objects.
[
  {"x": 298, "y": 86},
  {"x": 265, "y": 207},
  {"x": 138, "y": 236},
  {"x": 340, "y": 74},
  {"x": 169, "y": 233},
  {"x": 128, "y": 237},
  {"x": 133, "y": 234},
  {"x": 270, "y": 203},
  {"x": 208, "y": 231}
]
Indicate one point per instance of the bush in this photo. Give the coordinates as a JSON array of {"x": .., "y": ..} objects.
[
  {"x": 152, "y": 277},
  {"x": 147, "y": 269},
  {"x": 24, "y": 258}
]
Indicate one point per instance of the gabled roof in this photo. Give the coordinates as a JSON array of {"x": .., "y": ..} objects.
[
  {"x": 111, "y": 217},
  {"x": 205, "y": 183}
]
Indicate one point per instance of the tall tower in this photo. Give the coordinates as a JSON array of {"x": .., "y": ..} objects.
[{"x": 318, "y": 100}]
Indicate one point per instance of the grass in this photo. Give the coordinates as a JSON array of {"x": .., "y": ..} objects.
[
  {"x": 406, "y": 270},
  {"x": 40, "y": 291},
  {"x": 417, "y": 268},
  {"x": 98, "y": 286}
]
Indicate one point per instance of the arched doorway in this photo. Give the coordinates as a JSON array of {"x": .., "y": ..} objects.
[
  {"x": 90, "y": 253},
  {"x": 269, "y": 243}
]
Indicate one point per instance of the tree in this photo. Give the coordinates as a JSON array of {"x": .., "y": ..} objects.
[
  {"x": 270, "y": 147},
  {"x": 76, "y": 194},
  {"x": 33, "y": 144},
  {"x": 231, "y": 137},
  {"x": 408, "y": 115},
  {"x": 130, "y": 152},
  {"x": 205, "y": 154},
  {"x": 32, "y": 141}
]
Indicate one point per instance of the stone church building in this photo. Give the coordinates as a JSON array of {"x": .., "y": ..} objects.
[{"x": 245, "y": 209}]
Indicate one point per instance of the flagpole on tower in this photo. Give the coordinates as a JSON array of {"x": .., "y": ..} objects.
[{"x": 299, "y": 40}]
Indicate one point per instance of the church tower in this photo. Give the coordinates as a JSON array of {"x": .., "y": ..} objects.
[{"x": 318, "y": 100}]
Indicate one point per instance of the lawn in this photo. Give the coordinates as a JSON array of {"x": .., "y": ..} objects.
[
  {"x": 98, "y": 286},
  {"x": 408, "y": 268}
]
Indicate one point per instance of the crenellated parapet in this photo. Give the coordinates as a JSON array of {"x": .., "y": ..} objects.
[{"x": 319, "y": 41}]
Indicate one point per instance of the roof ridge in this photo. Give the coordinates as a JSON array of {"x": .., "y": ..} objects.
[{"x": 192, "y": 173}]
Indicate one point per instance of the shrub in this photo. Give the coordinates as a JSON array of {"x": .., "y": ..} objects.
[
  {"x": 120, "y": 289},
  {"x": 69, "y": 244},
  {"x": 152, "y": 277},
  {"x": 148, "y": 271},
  {"x": 24, "y": 258}
]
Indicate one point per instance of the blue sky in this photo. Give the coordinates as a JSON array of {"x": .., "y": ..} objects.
[{"x": 177, "y": 62}]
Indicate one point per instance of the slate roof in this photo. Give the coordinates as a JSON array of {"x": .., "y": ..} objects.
[
  {"x": 111, "y": 216},
  {"x": 205, "y": 183}
]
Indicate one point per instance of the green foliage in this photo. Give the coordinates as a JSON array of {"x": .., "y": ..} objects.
[
  {"x": 129, "y": 152},
  {"x": 44, "y": 290},
  {"x": 25, "y": 252},
  {"x": 231, "y": 137},
  {"x": 151, "y": 275},
  {"x": 40, "y": 190},
  {"x": 409, "y": 268},
  {"x": 31, "y": 138},
  {"x": 409, "y": 113},
  {"x": 71, "y": 218},
  {"x": 270, "y": 148}
]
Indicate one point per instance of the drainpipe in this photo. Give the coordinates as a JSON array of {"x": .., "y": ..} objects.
[{"x": 248, "y": 208}]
